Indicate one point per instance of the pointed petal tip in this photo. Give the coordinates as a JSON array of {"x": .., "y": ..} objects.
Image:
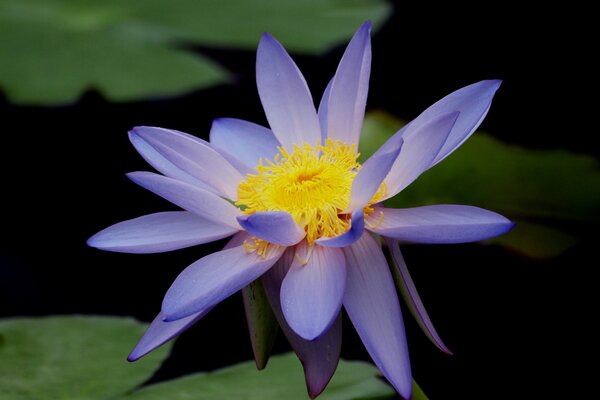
[
  {"x": 267, "y": 38},
  {"x": 92, "y": 241},
  {"x": 169, "y": 315},
  {"x": 142, "y": 130},
  {"x": 492, "y": 84},
  {"x": 313, "y": 393},
  {"x": 367, "y": 25}
]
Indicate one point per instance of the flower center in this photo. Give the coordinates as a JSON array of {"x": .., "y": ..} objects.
[{"x": 312, "y": 184}]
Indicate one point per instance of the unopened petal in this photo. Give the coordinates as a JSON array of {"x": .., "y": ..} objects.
[{"x": 156, "y": 233}]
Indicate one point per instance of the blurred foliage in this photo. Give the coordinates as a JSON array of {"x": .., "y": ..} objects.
[
  {"x": 526, "y": 185},
  {"x": 83, "y": 358},
  {"x": 53, "y": 50}
]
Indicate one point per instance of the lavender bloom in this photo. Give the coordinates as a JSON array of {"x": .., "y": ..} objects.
[{"x": 303, "y": 212}]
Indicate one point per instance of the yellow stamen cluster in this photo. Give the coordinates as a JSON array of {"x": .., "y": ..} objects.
[{"x": 312, "y": 184}]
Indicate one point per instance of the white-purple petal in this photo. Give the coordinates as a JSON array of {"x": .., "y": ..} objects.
[
  {"x": 323, "y": 110},
  {"x": 273, "y": 226},
  {"x": 372, "y": 305},
  {"x": 189, "y": 197},
  {"x": 285, "y": 96},
  {"x": 473, "y": 102},
  {"x": 155, "y": 233},
  {"x": 160, "y": 332},
  {"x": 319, "y": 357},
  {"x": 444, "y": 223},
  {"x": 162, "y": 164},
  {"x": 374, "y": 170},
  {"x": 243, "y": 143},
  {"x": 346, "y": 109},
  {"x": 193, "y": 156},
  {"x": 312, "y": 290},
  {"x": 422, "y": 142},
  {"x": 412, "y": 298},
  {"x": 357, "y": 226},
  {"x": 214, "y": 278}
]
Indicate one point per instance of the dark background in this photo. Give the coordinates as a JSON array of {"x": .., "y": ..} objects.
[{"x": 519, "y": 328}]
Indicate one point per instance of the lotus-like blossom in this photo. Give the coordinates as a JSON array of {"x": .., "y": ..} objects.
[{"x": 304, "y": 215}]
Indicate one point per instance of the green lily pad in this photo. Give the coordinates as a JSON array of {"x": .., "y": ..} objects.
[
  {"x": 83, "y": 358},
  {"x": 282, "y": 379},
  {"x": 74, "y": 358},
  {"x": 523, "y": 184},
  {"x": 53, "y": 50}
]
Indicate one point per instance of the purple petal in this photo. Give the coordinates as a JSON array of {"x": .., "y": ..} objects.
[
  {"x": 348, "y": 98},
  {"x": 162, "y": 164},
  {"x": 242, "y": 143},
  {"x": 473, "y": 102},
  {"x": 193, "y": 156},
  {"x": 312, "y": 290},
  {"x": 214, "y": 278},
  {"x": 422, "y": 142},
  {"x": 285, "y": 96},
  {"x": 411, "y": 296},
  {"x": 357, "y": 226},
  {"x": 160, "y": 332},
  {"x": 194, "y": 199},
  {"x": 273, "y": 226},
  {"x": 155, "y": 233},
  {"x": 443, "y": 223},
  {"x": 319, "y": 357},
  {"x": 373, "y": 172},
  {"x": 373, "y": 307},
  {"x": 323, "y": 110}
]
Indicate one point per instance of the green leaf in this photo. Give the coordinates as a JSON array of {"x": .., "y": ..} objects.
[
  {"x": 418, "y": 393},
  {"x": 282, "y": 379},
  {"x": 262, "y": 323},
  {"x": 536, "y": 240},
  {"x": 378, "y": 127},
  {"x": 520, "y": 183},
  {"x": 53, "y": 50},
  {"x": 74, "y": 358}
]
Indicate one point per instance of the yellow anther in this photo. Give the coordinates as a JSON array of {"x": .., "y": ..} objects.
[
  {"x": 379, "y": 221},
  {"x": 311, "y": 183},
  {"x": 259, "y": 247}
]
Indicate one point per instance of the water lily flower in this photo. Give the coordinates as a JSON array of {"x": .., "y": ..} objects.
[{"x": 304, "y": 215}]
